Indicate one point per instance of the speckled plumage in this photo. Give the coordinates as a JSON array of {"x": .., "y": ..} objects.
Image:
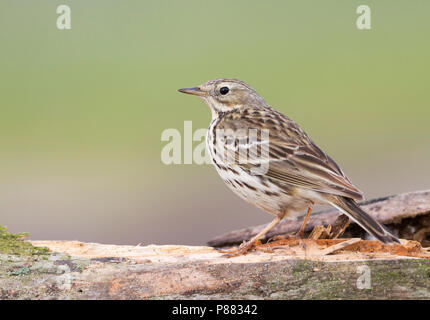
[{"x": 298, "y": 173}]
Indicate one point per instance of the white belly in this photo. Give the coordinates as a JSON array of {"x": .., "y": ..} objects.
[{"x": 258, "y": 190}]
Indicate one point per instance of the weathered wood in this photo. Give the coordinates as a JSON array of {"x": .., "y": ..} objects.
[
  {"x": 339, "y": 246},
  {"x": 284, "y": 269},
  {"x": 391, "y": 211},
  {"x": 75, "y": 270}
]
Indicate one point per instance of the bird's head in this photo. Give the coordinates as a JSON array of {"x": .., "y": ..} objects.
[{"x": 222, "y": 95}]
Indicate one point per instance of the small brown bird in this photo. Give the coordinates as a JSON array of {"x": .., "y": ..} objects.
[{"x": 293, "y": 175}]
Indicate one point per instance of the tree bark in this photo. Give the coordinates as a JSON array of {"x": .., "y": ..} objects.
[
  {"x": 407, "y": 215},
  {"x": 284, "y": 269},
  {"x": 75, "y": 270}
]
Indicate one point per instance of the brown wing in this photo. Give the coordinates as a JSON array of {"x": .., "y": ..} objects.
[
  {"x": 293, "y": 157},
  {"x": 304, "y": 169}
]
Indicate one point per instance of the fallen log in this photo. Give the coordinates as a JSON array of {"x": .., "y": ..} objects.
[
  {"x": 283, "y": 269},
  {"x": 357, "y": 270},
  {"x": 407, "y": 215}
]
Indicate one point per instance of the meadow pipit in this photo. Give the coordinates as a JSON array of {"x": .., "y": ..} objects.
[{"x": 298, "y": 173}]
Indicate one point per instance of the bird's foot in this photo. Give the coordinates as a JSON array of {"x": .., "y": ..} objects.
[
  {"x": 299, "y": 236},
  {"x": 241, "y": 250},
  {"x": 289, "y": 239},
  {"x": 279, "y": 237}
]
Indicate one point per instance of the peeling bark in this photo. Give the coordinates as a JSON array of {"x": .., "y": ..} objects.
[
  {"x": 407, "y": 215},
  {"x": 75, "y": 270},
  {"x": 284, "y": 269}
]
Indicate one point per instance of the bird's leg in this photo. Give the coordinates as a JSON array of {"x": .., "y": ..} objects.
[
  {"x": 244, "y": 247},
  {"x": 301, "y": 232}
]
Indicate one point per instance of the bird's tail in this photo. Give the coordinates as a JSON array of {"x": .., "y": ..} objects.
[{"x": 363, "y": 219}]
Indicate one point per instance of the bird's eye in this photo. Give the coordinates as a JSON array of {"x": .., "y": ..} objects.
[{"x": 224, "y": 90}]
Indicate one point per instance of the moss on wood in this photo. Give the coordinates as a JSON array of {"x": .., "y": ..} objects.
[
  {"x": 14, "y": 244},
  {"x": 75, "y": 270}
]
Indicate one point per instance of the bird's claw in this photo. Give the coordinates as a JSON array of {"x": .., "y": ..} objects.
[{"x": 241, "y": 250}]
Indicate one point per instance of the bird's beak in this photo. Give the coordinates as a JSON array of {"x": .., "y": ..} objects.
[{"x": 194, "y": 91}]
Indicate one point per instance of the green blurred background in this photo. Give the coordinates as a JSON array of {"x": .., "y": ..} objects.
[{"x": 82, "y": 110}]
